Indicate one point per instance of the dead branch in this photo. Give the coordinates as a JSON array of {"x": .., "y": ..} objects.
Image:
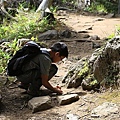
[{"x": 2, "y": 8}]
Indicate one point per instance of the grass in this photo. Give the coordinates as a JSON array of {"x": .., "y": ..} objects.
[
  {"x": 108, "y": 96},
  {"x": 25, "y": 27}
]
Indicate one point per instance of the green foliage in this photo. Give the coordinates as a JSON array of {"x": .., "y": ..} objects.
[
  {"x": 103, "y": 6},
  {"x": 64, "y": 1},
  {"x": 53, "y": 9},
  {"x": 6, "y": 54},
  {"x": 69, "y": 2},
  {"x": 26, "y": 27},
  {"x": 84, "y": 71},
  {"x": 90, "y": 79},
  {"x": 117, "y": 32},
  {"x": 111, "y": 36},
  {"x": 13, "y": 46},
  {"x": 111, "y": 6},
  {"x": 96, "y": 8}
]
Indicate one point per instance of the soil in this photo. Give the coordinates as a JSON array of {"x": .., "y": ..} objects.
[{"x": 14, "y": 102}]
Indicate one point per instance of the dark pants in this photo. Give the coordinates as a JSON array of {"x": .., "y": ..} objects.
[{"x": 32, "y": 78}]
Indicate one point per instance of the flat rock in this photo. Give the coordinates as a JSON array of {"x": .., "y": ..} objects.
[
  {"x": 67, "y": 99},
  {"x": 104, "y": 110},
  {"x": 72, "y": 117},
  {"x": 48, "y": 35},
  {"x": 40, "y": 103}
]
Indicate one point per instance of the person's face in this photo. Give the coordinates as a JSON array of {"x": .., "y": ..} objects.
[{"x": 57, "y": 57}]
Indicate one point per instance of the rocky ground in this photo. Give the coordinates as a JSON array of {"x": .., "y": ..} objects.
[{"x": 14, "y": 102}]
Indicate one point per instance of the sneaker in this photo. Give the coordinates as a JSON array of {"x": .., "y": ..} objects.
[
  {"x": 33, "y": 93},
  {"x": 23, "y": 86}
]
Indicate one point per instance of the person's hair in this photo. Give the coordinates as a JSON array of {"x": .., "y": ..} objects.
[{"x": 61, "y": 48}]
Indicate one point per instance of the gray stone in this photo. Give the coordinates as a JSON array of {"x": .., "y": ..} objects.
[
  {"x": 2, "y": 117},
  {"x": 108, "y": 57},
  {"x": 91, "y": 72},
  {"x": 65, "y": 34},
  {"x": 95, "y": 45},
  {"x": 67, "y": 99},
  {"x": 83, "y": 31},
  {"x": 40, "y": 103},
  {"x": 72, "y": 117},
  {"x": 94, "y": 37},
  {"x": 89, "y": 28},
  {"x": 48, "y": 35},
  {"x": 104, "y": 110},
  {"x": 110, "y": 15},
  {"x": 71, "y": 78},
  {"x": 61, "y": 13},
  {"x": 98, "y": 19}
]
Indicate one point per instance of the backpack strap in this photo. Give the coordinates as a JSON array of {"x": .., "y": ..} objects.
[{"x": 46, "y": 53}]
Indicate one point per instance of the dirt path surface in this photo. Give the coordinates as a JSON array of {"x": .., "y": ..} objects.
[
  {"x": 14, "y": 103},
  {"x": 101, "y": 26}
]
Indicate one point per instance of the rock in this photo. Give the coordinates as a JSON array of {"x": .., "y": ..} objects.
[
  {"x": 95, "y": 45},
  {"x": 101, "y": 13},
  {"x": 113, "y": 48},
  {"x": 90, "y": 84},
  {"x": 89, "y": 28},
  {"x": 48, "y": 35},
  {"x": 104, "y": 110},
  {"x": 110, "y": 15},
  {"x": 40, "y": 103},
  {"x": 61, "y": 13},
  {"x": 2, "y": 117},
  {"x": 83, "y": 31},
  {"x": 94, "y": 37},
  {"x": 99, "y": 19},
  {"x": 47, "y": 102},
  {"x": 72, "y": 117},
  {"x": 86, "y": 36},
  {"x": 93, "y": 57},
  {"x": 65, "y": 34},
  {"x": 99, "y": 69},
  {"x": 106, "y": 62},
  {"x": 67, "y": 99},
  {"x": 76, "y": 72}
]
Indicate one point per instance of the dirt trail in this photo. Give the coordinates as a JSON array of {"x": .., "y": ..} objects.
[{"x": 102, "y": 27}]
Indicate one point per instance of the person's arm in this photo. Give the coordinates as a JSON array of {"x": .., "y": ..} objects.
[{"x": 46, "y": 83}]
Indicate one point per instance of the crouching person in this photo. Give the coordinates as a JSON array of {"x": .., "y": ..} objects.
[{"x": 41, "y": 69}]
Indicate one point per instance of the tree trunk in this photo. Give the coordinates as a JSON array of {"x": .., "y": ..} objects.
[{"x": 118, "y": 6}]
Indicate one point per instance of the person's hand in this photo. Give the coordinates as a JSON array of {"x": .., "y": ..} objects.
[
  {"x": 58, "y": 87},
  {"x": 58, "y": 90}
]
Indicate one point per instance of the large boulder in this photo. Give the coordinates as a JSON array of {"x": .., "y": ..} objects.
[
  {"x": 106, "y": 66},
  {"x": 102, "y": 68}
]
